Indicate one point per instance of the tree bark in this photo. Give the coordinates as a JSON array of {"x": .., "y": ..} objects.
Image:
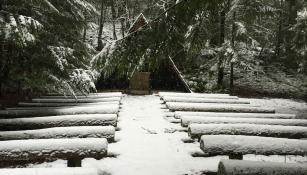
[
  {"x": 233, "y": 37},
  {"x": 221, "y": 57},
  {"x": 101, "y": 23},
  {"x": 113, "y": 19},
  {"x": 292, "y": 15}
]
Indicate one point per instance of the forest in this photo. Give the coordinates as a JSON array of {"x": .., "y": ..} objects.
[{"x": 252, "y": 48}]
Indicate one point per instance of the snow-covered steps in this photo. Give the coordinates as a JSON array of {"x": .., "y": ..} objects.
[
  {"x": 82, "y": 100},
  {"x": 52, "y": 171},
  {"x": 243, "y": 167},
  {"x": 203, "y": 100},
  {"x": 179, "y": 114},
  {"x": 187, "y": 120},
  {"x": 92, "y": 95},
  {"x": 53, "y": 104},
  {"x": 58, "y": 121},
  {"x": 198, "y": 95},
  {"x": 107, "y": 132},
  {"x": 73, "y": 150},
  {"x": 95, "y": 109},
  {"x": 235, "y": 146},
  {"x": 294, "y": 132},
  {"x": 201, "y": 107}
]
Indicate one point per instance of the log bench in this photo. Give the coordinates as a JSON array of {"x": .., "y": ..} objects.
[
  {"x": 85, "y": 100},
  {"x": 179, "y": 114},
  {"x": 103, "y": 109},
  {"x": 58, "y": 121},
  {"x": 94, "y": 95},
  {"x": 52, "y": 171},
  {"x": 72, "y": 150},
  {"x": 107, "y": 132},
  {"x": 293, "y": 132},
  {"x": 33, "y": 105},
  {"x": 187, "y": 120},
  {"x": 203, "y": 100},
  {"x": 235, "y": 146},
  {"x": 201, "y": 95},
  {"x": 201, "y": 107},
  {"x": 243, "y": 167}
]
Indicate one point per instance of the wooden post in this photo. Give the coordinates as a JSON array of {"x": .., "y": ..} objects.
[
  {"x": 236, "y": 156},
  {"x": 74, "y": 162}
]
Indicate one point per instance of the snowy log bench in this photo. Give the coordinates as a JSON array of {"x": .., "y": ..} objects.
[
  {"x": 73, "y": 150},
  {"x": 86, "y": 100},
  {"x": 58, "y": 121},
  {"x": 23, "y": 104},
  {"x": 179, "y": 114},
  {"x": 199, "y": 107},
  {"x": 51, "y": 171},
  {"x": 187, "y": 120},
  {"x": 243, "y": 167},
  {"x": 100, "y": 109},
  {"x": 190, "y": 94},
  {"x": 235, "y": 146},
  {"x": 203, "y": 100},
  {"x": 107, "y": 132},
  {"x": 97, "y": 95},
  {"x": 293, "y": 132}
]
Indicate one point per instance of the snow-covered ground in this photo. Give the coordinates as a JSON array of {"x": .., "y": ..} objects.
[{"x": 148, "y": 144}]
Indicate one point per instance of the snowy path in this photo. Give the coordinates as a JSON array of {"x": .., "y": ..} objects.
[{"x": 146, "y": 144}]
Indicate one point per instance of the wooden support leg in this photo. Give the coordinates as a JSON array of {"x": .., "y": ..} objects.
[
  {"x": 236, "y": 156},
  {"x": 74, "y": 162}
]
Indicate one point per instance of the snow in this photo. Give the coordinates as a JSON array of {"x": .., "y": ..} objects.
[
  {"x": 59, "y": 121},
  {"x": 197, "y": 95},
  {"x": 52, "y": 148},
  {"x": 52, "y": 171},
  {"x": 179, "y": 114},
  {"x": 196, "y": 130},
  {"x": 40, "y": 105},
  {"x": 241, "y": 167},
  {"x": 229, "y": 144},
  {"x": 107, "y": 132},
  {"x": 177, "y": 106},
  {"x": 203, "y": 100},
  {"x": 92, "y": 95},
  {"x": 80, "y": 100},
  {"x": 95, "y": 109},
  {"x": 187, "y": 120}
]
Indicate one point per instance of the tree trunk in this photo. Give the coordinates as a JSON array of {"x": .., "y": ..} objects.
[
  {"x": 233, "y": 37},
  {"x": 221, "y": 57},
  {"x": 280, "y": 31},
  {"x": 292, "y": 14},
  {"x": 113, "y": 19},
  {"x": 101, "y": 23}
]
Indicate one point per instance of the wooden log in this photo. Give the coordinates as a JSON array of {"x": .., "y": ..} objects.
[
  {"x": 187, "y": 120},
  {"x": 52, "y": 149},
  {"x": 97, "y": 95},
  {"x": 58, "y": 121},
  {"x": 51, "y": 171},
  {"x": 178, "y": 94},
  {"x": 27, "y": 105},
  {"x": 203, "y": 100},
  {"x": 243, "y": 167},
  {"x": 107, "y": 132},
  {"x": 201, "y": 107},
  {"x": 214, "y": 145},
  {"x": 179, "y": 114},
  {"x": 293, "y": 132},
  {"x": 104, "y": 109},
  {"x": 85, "y": 100}
]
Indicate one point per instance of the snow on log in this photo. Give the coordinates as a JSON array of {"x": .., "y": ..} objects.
[
  {"x": 293, "y": 132},
  {"x": 51, "y": 171},
  {"x": 96, "y": 95},
  {"x": 243, "y": 167},
  {"x": 58, "y": 121},
  {"x": 178, "y": 94},
  {"x": 85, "y": 100},
  {"x": 107, "y": 132},
  {"x": 52, "y": 149},
  {"x": 179, "y": 114},
  {"x": 174, "y": 106},
  {"x": 100, "y": 109},
  {"x": 213, "y": 145},
  {"x": 22, "y": 104},
  {"x": 187, "y": 120},
  {"x": 203, "y": 100}
]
